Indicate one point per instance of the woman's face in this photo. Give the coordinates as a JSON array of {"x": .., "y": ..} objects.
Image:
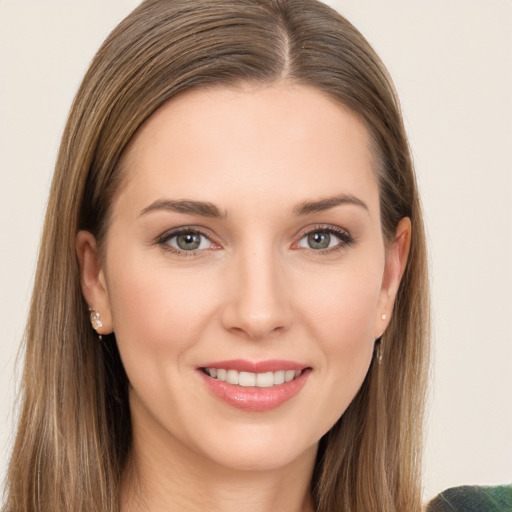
[{"x": 245, "y": 247}]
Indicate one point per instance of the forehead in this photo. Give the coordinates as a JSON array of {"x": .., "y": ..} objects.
[{"x": 274, "y": 142}]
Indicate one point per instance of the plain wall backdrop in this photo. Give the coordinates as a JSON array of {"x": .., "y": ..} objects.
[{"x": 452, "y": 65}]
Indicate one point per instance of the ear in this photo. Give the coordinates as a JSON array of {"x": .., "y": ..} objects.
[
  {"x": 92, "y": 279},
  {"x": 396, "y": 260}
]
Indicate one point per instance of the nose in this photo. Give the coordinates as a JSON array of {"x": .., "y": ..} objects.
[{"x": 259, "y": 298}]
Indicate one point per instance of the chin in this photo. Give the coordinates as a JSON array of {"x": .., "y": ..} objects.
[
  {"x": 257, "y": 447},
  {"x": 271, "y": 457}
]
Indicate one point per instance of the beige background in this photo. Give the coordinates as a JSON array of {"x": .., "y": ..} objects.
[{"x": 452, "y": 64}]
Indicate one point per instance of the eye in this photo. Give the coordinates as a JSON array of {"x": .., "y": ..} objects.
[
  {"x": 188, "y": 240},
  {"x": 324, "y": 239}
]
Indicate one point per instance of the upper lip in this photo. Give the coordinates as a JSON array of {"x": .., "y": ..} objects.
[{"x": 270, "y": 365}]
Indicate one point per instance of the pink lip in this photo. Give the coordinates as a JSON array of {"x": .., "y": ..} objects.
[
  {"x": 241, "y": 365},
  {"x": 254, "y": 398}
]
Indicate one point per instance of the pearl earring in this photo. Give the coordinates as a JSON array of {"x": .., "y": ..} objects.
[
  {"x": 383, "y": 316},
  {"x": 95, "y": 321}
]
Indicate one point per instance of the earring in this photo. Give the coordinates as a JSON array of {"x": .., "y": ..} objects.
[
  {"x": 378, "y": 350},
  {"x": 95, "y": 321},
  {"x": 383, "y": 316}
]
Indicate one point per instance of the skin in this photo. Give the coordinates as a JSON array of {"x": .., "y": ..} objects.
[{"x": 254, "y": 290}]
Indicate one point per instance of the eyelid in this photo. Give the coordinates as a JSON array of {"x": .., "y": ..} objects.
[
  {"x": 163, "y": 239},
  {"x": 344, "y": 236}
]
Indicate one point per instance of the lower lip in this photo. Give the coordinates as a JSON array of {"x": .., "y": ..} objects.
[{"x": 254, "y": 398}]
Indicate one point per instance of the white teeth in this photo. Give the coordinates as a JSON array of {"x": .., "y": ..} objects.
[
  {"x": 265, "y": 380},
  {"x": 247, "y": 379},
  {"x": 279, "y": 377},
  {"x": 232, "y": 377},
  {"x": 289, "y": 375}
]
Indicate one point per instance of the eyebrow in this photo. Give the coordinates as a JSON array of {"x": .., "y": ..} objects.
[
  {"x": 202, "y": 208},
  {"x": 207, "y": 209},
  {"x": 308, "y": 207}
]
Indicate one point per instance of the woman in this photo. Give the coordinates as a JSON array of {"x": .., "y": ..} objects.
[{"x": 235, "y": 214}]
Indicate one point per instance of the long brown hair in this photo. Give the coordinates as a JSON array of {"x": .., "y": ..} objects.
[{"x": 74, "y": 431}]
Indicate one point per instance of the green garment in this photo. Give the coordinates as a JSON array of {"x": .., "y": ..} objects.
[{"x": 473, "y": 499}]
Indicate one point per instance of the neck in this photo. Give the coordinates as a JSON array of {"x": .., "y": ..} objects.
[{"x": 172, "y": 477}]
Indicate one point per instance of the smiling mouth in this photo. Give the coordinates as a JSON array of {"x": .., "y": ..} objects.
[
  {"x": 255, "y": 386},
  {"x": 249, "y": 379}
]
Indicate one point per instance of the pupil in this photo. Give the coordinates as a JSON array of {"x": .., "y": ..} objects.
[
  {"x": 189, "y": 241},
  {"x": 319, "y": 240}
]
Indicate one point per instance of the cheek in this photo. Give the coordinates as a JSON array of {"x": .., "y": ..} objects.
[
  {"x": 157, "y": 313},
  {"x": 342, "y": 307},
  {"x": 341, "y": 319}
]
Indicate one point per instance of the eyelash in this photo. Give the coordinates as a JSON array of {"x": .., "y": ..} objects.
[
  {"x": 346, "y": 239},
  {"x": 163, "y": 240}
]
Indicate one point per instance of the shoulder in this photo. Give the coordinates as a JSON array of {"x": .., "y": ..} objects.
[{"x": 473, "y": 499}]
